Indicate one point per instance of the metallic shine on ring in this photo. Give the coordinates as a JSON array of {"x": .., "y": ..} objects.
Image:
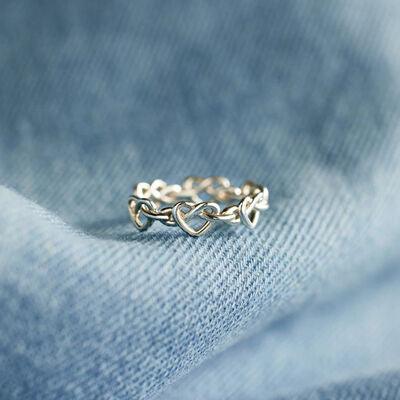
[{"x": 179, "y": 205}]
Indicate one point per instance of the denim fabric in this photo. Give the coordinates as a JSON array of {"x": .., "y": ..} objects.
[
  {"x": 300, "y": 96},
  {"x": 341, "y": 342},
  {"x": 385, "y": 386}
]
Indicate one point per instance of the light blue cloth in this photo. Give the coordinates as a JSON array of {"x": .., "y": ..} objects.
[{"x": 300, "y": 96}]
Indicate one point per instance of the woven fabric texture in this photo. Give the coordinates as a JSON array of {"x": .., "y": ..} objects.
[{"x": 300, "y": 96}]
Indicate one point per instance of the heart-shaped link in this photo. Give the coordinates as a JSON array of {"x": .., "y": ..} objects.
[
  {"x": 135, "y": 205},
  {"x": 248, "y": 212},
  {"x": 184, "y": 211},
  {"x": 261, "y": 200}
]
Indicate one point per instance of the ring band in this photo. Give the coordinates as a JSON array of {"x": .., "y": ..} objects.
[{"x": 179, "y": 205}]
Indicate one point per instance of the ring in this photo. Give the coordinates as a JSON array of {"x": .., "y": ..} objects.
[{"x": 196, "y": 205}]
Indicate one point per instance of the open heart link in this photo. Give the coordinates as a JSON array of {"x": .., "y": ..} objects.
[
  {"x": 249, "y": 214},
  {"x": 184, "y": 211},
  {"x": 261, "y": 200},
  {"x": 135, "y": 207}
]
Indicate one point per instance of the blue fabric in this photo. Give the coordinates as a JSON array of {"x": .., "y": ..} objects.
[{"x": 300, "y": 96}]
